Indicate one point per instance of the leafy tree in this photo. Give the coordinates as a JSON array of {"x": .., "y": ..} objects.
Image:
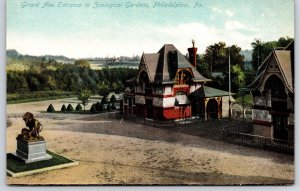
[
  {"x": 117, "y": 86},
  {"x": 50, "y": 108},
  {"x": 84, "y": 96},
  {"x": 237, "y": 79},
  {"x": 203, "y": 67},
  {"x": 284, "y": 41},
  {"x": 33, "y": 83},
  {"x": 261, "y": 49},
  {"x": 16, "y": 82},
  {"x": 44, "y": 74},
  {"x": 103, "y": 88},
  {"x": 217, "y": 56}
]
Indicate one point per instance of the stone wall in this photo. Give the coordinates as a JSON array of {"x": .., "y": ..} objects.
[{"x": 262, "y": 130}]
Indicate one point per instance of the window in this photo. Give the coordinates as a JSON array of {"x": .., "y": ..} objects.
[{"x": 183, "y": 77}]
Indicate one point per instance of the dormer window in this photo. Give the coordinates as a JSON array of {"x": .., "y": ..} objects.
[{"x": 183, "y": 77}]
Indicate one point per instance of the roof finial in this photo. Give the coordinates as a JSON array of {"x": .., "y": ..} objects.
[{"x": 193, "y": 42}]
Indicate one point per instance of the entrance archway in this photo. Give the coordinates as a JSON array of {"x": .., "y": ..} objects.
[
  {"x": 275, "y": 91},
  {"x": 212, "y": 109}
]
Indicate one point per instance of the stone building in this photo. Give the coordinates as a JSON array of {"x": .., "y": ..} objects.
[
  {"x": 273, "y": 95},
  {"x": 168, "y": 87}
]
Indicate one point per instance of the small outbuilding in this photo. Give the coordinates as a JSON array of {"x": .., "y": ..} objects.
[
  {"x": 169, "y": 87},
  {"x": 273, "y": 95}
]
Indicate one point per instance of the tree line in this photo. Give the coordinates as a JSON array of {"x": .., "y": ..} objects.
[
  {"x": 216, "y": 59},
  {"x": 69, "y": 77}
]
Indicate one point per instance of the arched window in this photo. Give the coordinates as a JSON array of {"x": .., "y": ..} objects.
[
  {"x": 144, "y": 84},
  {"x": 275, "y": 89},
  {"x": 183, "y": 77}
]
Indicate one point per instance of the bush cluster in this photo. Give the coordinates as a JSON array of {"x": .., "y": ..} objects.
[
  {"x": 78, "y": 107},
  {"x": 50, "y": 108},
  {"x": 70, "y": 108}
]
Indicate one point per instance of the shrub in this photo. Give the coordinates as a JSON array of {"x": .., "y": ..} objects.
[
  {"x": 108, "y": 107},
  {"x": 78, "y": 107},
  {"x": 98, "y": 106},
  {"x": 70, "y": 108},
  {"x": 102, "y": 107},
  {"x": 104, "y": 100},
  {"x": 50, "y": 108},
  {"x": 113, "y": 99},
  {"x": 63, "y": 108},
  {"x": 113, "y": 106},
  {"x": 93, "y": 109}
]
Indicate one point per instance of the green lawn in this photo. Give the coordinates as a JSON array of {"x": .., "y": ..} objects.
[
  {"x": 16, "y": 165},
  {"x": 37, "y": 96}
]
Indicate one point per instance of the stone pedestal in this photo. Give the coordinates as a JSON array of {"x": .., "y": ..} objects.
[{"x": 32, "y": 151}]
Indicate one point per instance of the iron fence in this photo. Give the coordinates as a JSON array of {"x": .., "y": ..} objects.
[{"x": 241, "y": 135}]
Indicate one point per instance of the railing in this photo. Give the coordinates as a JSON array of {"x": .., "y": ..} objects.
[{"x": 241, "y": 135}]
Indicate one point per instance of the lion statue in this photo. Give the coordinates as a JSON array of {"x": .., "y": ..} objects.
[{"x": 35, "y": 127}]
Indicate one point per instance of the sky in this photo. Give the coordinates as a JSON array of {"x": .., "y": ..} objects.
[{"x": 97, "y": 30}]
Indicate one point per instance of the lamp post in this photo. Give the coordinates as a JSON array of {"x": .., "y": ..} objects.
[{"x": 229, "y": 83}]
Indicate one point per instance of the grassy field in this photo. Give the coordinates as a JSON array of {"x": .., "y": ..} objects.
[
  {"x": 37, "y": 96},
  {"x": 16, "y": 165}
]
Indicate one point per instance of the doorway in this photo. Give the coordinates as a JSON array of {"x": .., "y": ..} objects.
[
  {"x": 212, "y": 109},
  {"x": 149, "y": 108},
  {"x": 280, "y": 130}
]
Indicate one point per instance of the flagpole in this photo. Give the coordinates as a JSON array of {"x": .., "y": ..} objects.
[{"x": 229, "y": 83}]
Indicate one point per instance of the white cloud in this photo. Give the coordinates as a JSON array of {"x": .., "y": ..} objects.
[
  {"x": 217, "y": 10},
  {"x": 221, "y": 11},
  {"x": 229, "y": 13},
  {"x": 236, "y": 25}
]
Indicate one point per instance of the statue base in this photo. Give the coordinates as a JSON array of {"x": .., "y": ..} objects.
[{"x": 32, "y": 151}]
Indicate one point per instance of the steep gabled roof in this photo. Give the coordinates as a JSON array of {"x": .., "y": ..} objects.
[
  {"x": 162, "y": 66},
  {"x": 285, "y": 62},
  {"x": 151, "y": 69}
]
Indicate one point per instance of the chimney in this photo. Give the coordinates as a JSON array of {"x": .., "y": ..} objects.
[{"x": 192, "y": 54}]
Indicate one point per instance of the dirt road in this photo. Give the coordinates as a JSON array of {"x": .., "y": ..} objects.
[{"x": 112, "y": 151}]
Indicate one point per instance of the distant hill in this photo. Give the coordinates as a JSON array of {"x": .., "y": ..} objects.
[
  {"x": 60, "y": 58},
  {"x": 12, "y": 56},
  {"x": 16, "y": 61},
  {"x": 12, "y": 53}
]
